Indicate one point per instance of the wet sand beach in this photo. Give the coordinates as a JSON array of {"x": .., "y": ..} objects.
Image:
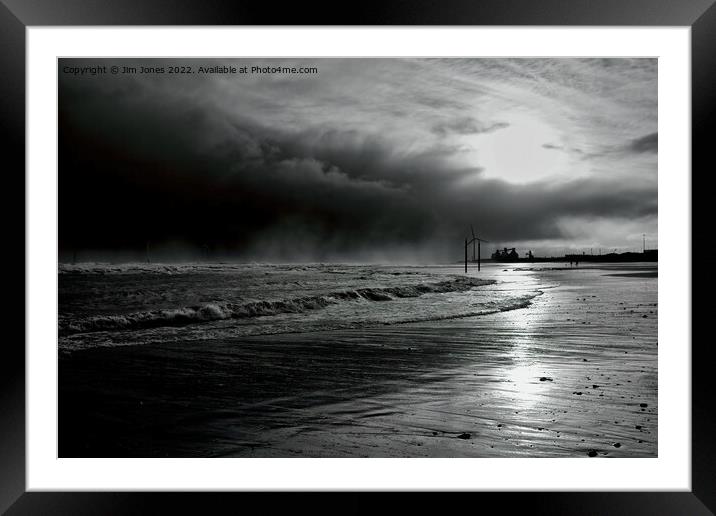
[{"x": 574, "y": 374}]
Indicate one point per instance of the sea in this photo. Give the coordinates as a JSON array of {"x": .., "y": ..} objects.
[{"x": 104, "y": 304}]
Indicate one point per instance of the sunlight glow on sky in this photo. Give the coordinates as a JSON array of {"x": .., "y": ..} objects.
[{"x": 516, "y": 153}]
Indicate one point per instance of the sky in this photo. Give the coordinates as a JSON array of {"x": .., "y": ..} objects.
[{"x": 378, "y": 160}]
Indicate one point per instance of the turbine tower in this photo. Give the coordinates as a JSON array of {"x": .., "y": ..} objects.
[
  {"x": 473, "y": 242},
  {"x": 474, "y": 239}
]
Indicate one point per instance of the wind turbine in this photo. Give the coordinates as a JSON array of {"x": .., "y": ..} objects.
[
  {"x": 474, "y": 239},
  {"x": 472, "y": 230}
]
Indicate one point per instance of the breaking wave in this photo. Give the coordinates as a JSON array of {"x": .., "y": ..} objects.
[{"x": 208, "y": 312}]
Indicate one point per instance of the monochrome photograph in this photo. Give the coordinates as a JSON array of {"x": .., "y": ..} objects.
[{"x": 357, "y": 257}]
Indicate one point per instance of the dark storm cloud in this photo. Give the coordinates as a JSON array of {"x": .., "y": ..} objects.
[
  {"x": 368, "y": 157},
  {"x": 159, "y": 169},
  {"x": 648, "y": 143},
  {"x": 145, "y": 160}
]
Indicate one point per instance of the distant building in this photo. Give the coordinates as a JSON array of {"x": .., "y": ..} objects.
[{"x": 506, "y": 255}]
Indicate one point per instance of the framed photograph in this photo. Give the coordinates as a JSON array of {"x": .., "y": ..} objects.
[{"x": 406, "y": 250}]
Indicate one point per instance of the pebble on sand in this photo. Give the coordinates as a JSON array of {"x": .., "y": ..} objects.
[
  {"x": 592, "y": 453},
  {"x": 464, "y": 436},
  {"x": 545, "y": 379}
]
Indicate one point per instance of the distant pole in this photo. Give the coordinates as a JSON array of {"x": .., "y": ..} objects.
[
  {"x": 466, "y": 256},
  {"x": 147, "y": 251},
  {"x": 643, "y": 243},
  {"x": 478, "y": 256}
]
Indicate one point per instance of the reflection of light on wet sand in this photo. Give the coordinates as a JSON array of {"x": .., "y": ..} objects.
[
  {"x": 526, "y": 388},
  {"x": 524, "y": 373}
]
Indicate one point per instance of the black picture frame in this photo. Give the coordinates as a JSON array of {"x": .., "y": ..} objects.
[{"x": 17, "y": 15}]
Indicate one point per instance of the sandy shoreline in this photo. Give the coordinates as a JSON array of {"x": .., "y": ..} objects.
[{"x": 574, "y": 374}]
